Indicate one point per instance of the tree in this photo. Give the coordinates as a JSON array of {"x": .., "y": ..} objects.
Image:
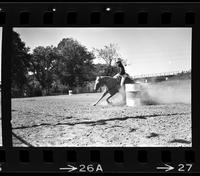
[
  {"x": 20, "y": 63},
  {"x": 109, "y": 54},
  {"x": 43, "y": 66},
  {"x": 76, "y": 65}
]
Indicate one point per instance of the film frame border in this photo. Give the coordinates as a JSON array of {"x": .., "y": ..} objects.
[{"x": 128, "y": 14}]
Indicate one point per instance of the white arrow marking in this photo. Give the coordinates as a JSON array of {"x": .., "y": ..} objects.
[
  {"x": 166, "y": 168},
  {"x": 70, "y": 168}
]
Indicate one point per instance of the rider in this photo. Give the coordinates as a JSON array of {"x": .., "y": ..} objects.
[{"x": 121, "y": 73}]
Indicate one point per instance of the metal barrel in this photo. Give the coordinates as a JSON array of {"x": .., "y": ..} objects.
[{"x": 133, "y": 94}]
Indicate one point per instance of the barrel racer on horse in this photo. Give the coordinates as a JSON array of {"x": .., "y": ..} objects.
[{"x": 112, "y": 84}]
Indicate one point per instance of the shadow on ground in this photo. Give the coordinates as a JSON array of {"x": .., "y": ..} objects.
[
  {"x": 99, "y": 122},
  {"x": 180, "y": 141},
  {"x": 153, "y": 135}
]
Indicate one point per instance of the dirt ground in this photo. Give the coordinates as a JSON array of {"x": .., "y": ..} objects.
[{"x": 66, "y": 121}]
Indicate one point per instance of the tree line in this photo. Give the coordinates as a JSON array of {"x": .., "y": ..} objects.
[{"x": 49, "y": 70}]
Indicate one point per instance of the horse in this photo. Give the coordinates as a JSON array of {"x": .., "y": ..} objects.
[{"x": 112, "y": 86}]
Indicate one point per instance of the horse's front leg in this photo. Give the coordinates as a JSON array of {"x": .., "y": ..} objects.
[{"x": 103, "y": 95}]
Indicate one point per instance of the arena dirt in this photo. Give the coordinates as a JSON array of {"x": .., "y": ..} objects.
[{"x": 61, "y": 121}]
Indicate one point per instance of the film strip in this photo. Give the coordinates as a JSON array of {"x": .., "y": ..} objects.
[{"x": 19, "y": 153}]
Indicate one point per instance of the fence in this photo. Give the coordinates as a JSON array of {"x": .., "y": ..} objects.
[{"x": 159, "y": 74}]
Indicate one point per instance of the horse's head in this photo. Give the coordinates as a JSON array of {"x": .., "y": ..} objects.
[{"x": 98, "y": 83}]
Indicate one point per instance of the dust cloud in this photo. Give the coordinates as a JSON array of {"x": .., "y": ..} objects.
[{"x": 166, "y": 92}]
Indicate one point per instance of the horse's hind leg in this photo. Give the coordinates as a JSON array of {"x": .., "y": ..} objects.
[{"x": 108, "y": 99}]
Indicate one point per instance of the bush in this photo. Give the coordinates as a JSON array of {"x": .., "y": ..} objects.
[
  {"x": 16, "y": 93},
  {"x": 37, "y": 92},
  {"x": 58, "y": 88}
]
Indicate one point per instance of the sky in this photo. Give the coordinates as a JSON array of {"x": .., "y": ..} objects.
[{"x": 147, "y": 50}]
